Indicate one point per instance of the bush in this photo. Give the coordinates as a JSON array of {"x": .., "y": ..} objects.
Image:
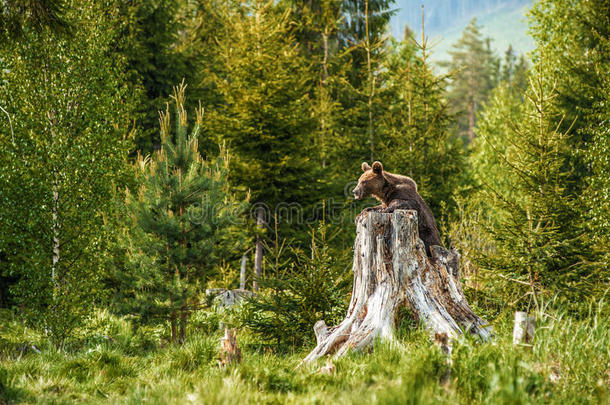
[{"x": 301, "y": 289}]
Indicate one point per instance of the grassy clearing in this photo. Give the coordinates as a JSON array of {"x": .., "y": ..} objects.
[{"x": 569, "y": 363}]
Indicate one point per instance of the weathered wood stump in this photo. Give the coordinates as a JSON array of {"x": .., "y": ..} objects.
[
  {"x": 228, "y": 298},
  {"x": 391, "y": 269}
]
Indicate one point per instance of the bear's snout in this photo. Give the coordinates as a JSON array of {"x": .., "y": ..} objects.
[{"x": 356, "y": 192}]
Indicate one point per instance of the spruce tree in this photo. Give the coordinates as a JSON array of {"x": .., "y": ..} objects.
[
  {"x": 417, "y": 140},
  {"x": 180, "y": 213},
  {"x": 362, "y": 18},
  {"x": 538, "y": 242},
  {"x": 488, "y": 151},
  {"x": 300, "y": 287},
  {"x": 575, "y": 35},
  {"x": 318, "y": 36},
  {"x": 513, "y": 71},
  {"x": 266, "y": 115},
  {"x": 150, "y": 44},
  {"x": 474, "y": 74},
  {"x": 363, "y": 36}
]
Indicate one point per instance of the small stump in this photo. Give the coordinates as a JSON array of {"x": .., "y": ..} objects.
[
  {"x": 391, "y": 269},
  {"x": 525, "y": 326},
  {"x": 229, "y": 351}
]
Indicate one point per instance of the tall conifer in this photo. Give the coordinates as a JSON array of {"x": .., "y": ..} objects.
[
  {"x": 474, "y": 69},
  {"x": 539, "y": 244},
  {"x": 416, "y": 125},
  {"x": 266, "y": 116}
]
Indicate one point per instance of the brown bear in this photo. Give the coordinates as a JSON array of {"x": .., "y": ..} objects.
[{"x": 397, "y": 192}]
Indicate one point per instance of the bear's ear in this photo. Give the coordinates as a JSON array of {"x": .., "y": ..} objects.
[
  {"x": 365, "y": 166},
  {"x": 377, "y": 167}
]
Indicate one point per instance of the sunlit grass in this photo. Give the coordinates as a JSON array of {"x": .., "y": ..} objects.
[{"x": 568, "y": 363}]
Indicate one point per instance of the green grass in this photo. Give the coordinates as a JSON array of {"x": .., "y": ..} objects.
[{"x": 113, "y": 363}]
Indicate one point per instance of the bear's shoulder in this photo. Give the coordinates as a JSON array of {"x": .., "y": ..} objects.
[
  {"x": 399, "y": 179},
  {"x": 405, "y": 190}
]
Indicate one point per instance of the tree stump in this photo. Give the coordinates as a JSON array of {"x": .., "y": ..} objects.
[
  {"x": 391, "y": 269},
  {"x": 229, "y": 351}
]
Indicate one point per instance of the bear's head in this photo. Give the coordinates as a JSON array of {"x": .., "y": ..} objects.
[{"x": 371, "y": 182}]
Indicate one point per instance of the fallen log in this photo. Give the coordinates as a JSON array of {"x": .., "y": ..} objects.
[{"x": 391, "y": 269}]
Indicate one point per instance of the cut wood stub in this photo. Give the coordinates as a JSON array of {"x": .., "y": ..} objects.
[
  {"x": 391, "y": 269},
  {"x": 525, "y": 326}
]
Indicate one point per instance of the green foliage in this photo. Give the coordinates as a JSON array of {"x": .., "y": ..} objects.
[
  {"x": 575, "y": 37},
  {"x": 514, "y": 72},
  {"x": 363, "y": 41},
  {"x": 546, "y": 162},
  {"x": 299, "y": 289},
  {"x": 62, "y": 155},
  {"x": 317, "y": 33},
  {"x": 265, "y": 116},
  {"x": 180, "y": 212},
  {"x": 489, "y": 151},
  {"x": 596, "y": 197},
  {"x": 18, "y": 16},
  {"x": 537, "y": 221},
  {"x": 301, "y": 92},
  {"x": 156, "y": 57},
  {"x": 364, "y": 21}
]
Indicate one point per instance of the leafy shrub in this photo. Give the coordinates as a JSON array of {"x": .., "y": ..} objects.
[{"x": 208, "y": 322}]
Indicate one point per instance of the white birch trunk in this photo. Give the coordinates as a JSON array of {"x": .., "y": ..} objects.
[{"x": 55, "y": 225}]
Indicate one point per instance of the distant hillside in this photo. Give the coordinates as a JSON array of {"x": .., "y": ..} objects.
[{"x": 502, "y": 20}]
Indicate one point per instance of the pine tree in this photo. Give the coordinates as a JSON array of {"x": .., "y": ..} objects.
[
  {"x": 474, "y": 69},
  {"x": 180, "y": 213}
]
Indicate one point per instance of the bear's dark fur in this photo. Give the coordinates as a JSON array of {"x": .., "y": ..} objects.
[{"x": 397, "y": 192}]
